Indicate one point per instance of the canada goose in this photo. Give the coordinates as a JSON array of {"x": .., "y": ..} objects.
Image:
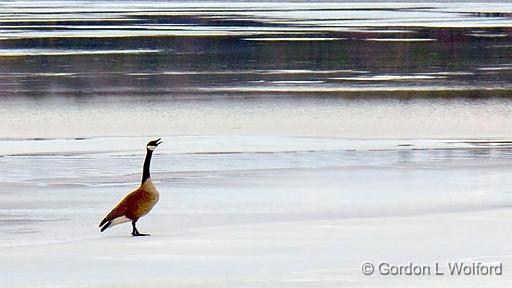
[{"x": 139, "y": 202}]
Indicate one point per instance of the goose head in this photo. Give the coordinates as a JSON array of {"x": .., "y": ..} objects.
[{"x": 153, "y": 144}]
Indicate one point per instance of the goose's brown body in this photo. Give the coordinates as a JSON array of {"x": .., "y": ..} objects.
[{"x": 136, "y": 204}]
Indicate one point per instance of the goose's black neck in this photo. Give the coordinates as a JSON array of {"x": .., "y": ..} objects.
[{"x": 147, "y": 163}]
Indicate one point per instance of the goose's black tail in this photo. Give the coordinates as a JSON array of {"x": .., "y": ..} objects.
[{"x": 106, "y": 226}]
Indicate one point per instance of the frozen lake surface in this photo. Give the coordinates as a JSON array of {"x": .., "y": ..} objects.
[{"x": 253, "y": 210}]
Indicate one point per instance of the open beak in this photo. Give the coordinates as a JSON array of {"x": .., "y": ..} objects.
[{"x": 158, "y": 142}]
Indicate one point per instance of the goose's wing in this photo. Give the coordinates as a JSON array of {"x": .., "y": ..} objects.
[{"x": 119, "y": 210}]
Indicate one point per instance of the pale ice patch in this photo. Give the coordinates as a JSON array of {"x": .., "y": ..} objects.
[
  {"x": 331, "y": 89},
  {"x": 249, "y": 72},
  {"x": 400, "y": 39},
  {"x": 478, "y": 7},
  {"x": 359, "y": 14},
  {"x": 306, "y": 71},
  {"x": 382, "y": 31},
  {"x": 389, "y": 78},
  {"x": 449, "y": 73},
  {"x": 68, "y": 52},
  {"x": 297, "y": 82},
  {"x": 122, "y": 146},
  {"x": 119, "y": 33},
  {"x": 142, "y": 74},
  {"x": 442, "y": 22},
  {"x": 292, "y": 39},
  {"x": 22, "y": 75},
  {"x": 54, "y": 74},
  {"x": 489, "y": 35},
  {"x": 56, "y": 19},
  {"x": 497, "y": 68}
]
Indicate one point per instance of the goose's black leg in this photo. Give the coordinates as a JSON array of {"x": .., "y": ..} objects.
[{"x": 136, "y": 232}]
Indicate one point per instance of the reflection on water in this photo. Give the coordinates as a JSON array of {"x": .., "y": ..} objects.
[{"x": 244, "y": 57}]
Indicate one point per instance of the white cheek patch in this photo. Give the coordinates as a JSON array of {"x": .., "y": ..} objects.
[{"x": 152, "y": 148}]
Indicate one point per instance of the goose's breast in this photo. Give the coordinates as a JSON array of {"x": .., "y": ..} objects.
[{"x": 144, "y": 202}]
